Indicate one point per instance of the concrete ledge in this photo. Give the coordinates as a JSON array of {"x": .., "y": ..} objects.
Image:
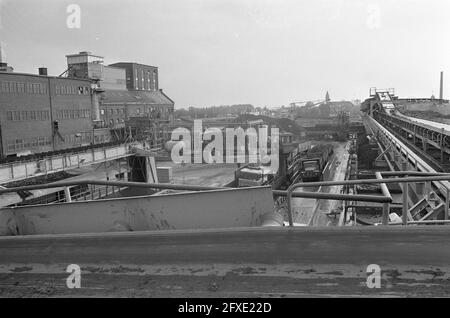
[{"x": 414, "y": 261}]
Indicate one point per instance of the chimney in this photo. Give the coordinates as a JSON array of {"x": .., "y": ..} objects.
[
  {"x": 441, "y": 89},
  {"x": 43, "y": 71}
]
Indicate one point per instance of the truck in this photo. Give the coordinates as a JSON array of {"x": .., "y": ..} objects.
[
  {"x": 314, "y": 163},
  {"x": 253, "y": 175}
]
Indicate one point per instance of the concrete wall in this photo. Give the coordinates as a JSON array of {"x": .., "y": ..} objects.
[
  {"x": 194, "y": 210},
  {"x": 113, "y": 78}
]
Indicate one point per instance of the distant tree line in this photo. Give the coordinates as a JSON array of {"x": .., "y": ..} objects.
[{"x": 214, "y": 111}]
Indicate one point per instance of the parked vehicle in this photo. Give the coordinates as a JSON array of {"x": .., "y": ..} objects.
[
  {"x": 313, "y": 165},
  {"x": 254, "y": 175}
]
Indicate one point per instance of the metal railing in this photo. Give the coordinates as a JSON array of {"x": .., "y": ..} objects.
[{"x": 385, "y": 199}]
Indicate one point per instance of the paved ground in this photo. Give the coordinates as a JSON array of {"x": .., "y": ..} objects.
[
  {"x": 273, "y": 262},
  {"x": 201, "y": 174}
]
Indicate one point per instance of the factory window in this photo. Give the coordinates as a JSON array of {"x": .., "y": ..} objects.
[
  {"x": 12, "y": 87},
  {"x": 117, "y": 120},
  {"x": 154, "y": 81},
  {"x": 16, "y": 115},
  {"x": 102, "y": 111},
  {"x": 111, "y": 122},
  {"x": 5, "y": 87},
  {"x": 41, "y": 141},
  {"x": 19, "y": 144},
  {"x": 32, "y": 115},
  {"x": 9, "y": 115},
  {"x": 11, "y": 145},
  {"x": 138, "y": 110}
]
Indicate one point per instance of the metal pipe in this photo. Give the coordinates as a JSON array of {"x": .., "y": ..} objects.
[
  {"x": 445, "y": 177},
  {"x": 412, "y": 173},
  {"x": 447, "y": 199},
  {"x": 113, "y": 183},
  {"x": 67, "y": 194},
  {"x": 384, "y": 188},
  {"x": 335, "y": 196},
  {"x": 386, "y": 193},
  {"x": 355, "y": 182},
  {"x": 405, "y": 194},
  {"x": 423, "y": 222}
]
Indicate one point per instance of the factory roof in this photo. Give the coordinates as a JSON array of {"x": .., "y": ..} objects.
[{"x": 135, "y": 97}]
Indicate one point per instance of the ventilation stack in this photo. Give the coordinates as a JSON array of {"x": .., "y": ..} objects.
[{"x": 441, "y": 89}]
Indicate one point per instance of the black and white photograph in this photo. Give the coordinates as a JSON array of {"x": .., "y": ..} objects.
[{"x": 226, "y": 155}]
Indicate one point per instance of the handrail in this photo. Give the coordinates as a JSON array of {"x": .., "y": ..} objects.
[
  {"x": 382, "y": 199},
  {"x": 385, "y": 199}
]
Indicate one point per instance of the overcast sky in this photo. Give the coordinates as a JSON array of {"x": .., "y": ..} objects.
[{"x": 263, "y": 52}]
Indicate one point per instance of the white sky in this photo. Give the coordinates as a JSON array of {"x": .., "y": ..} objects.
[{"x": 264, "y": 52}]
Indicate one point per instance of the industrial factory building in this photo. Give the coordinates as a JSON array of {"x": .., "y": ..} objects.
[
  {"x": 41, "y": 113},
  {"x": 90, "y": 104}
]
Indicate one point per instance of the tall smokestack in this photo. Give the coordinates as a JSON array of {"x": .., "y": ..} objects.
[{"x": 441, "y": 89}]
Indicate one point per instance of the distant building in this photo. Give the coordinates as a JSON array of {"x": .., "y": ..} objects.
[{"x": 139, "y": 76}]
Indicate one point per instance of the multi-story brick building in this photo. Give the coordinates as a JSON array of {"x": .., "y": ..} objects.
[
  {"x": 93, "y": 104},
  {"x": 139, "y": 76},
  {"x": 40, "y": 113}
]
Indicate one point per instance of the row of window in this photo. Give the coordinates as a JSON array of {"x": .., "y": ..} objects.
[
  {"x": 24, "y": 144},
  {"x": 118, "y": 111},
  {"x": 73, "y": 113},
  {"x": 116, "y": 121},
  {"x": 30, "y": 143},
  {"x": 151, "y": 77},
  {"x": 21, "y": 87},
  {"x": 121, "y": 111},
  {"x": 72, "y": 90},
  {"x": 74, "y": 139},
  {"x": 26, "y": 115}
]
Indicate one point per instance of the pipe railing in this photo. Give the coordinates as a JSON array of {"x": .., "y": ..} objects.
[
  {"x": 380, "y": 199},
  {"x": 385, "y": 199}
]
